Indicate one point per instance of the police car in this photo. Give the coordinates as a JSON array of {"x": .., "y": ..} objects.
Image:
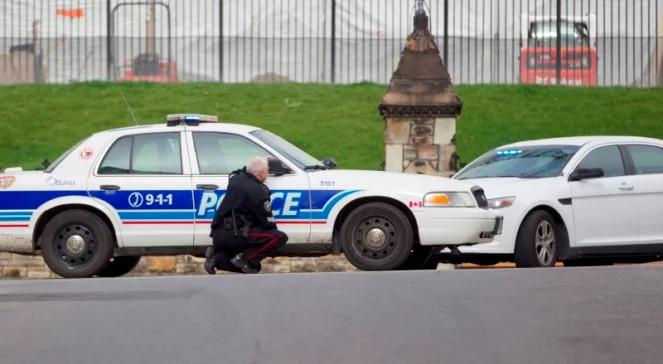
[{"x": 153, "y": 190}]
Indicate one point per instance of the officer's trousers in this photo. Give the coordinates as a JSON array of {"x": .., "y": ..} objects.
[{"x": 260, "y": 244}]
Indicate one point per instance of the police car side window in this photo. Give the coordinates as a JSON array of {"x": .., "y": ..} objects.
[
  {"x": 144, "y": 154},
  {"x": 221, "y": 153}
]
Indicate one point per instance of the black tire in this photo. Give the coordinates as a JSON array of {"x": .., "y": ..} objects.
[
  {"x": 90, "y": 244},
  {"x": 421, "y": 257},
  {"x": 119, "y": 266},
  {"x": 390, "y": 241},
  {"x": 537, "y": 243}
]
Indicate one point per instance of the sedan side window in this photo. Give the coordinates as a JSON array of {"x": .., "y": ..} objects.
[
  {"x": 608, "y": 158},
  {"x": 647, "y": 159},
  {"x": 222, "y": 153}
]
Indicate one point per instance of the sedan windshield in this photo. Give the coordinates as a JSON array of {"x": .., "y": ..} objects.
[
  {"x": 526, "y": 162},
  {"x": 299, "y": 157}
]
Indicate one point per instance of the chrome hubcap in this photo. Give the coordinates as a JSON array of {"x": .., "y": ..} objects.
[
  {"x": 75, "y": 244},
  {"x": 545, "y": 243},
  {"x": 376, "y": 238}
]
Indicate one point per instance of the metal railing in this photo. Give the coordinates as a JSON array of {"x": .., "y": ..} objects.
[{"x": 577, "y": 42}]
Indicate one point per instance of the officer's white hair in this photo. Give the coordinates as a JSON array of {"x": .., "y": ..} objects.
[{"x": 257, "y": 164}]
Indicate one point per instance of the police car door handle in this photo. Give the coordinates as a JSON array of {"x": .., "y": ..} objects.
[
  {"x": 207, "y": 187},
  {"x": 109, "y": 187},
  {"x": 625, "y": 187}
]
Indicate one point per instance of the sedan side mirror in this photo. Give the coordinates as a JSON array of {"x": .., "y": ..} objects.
[
  {"x": 329, "y": 162},
  {"x": 586, "y": 173},
  {"x": 278, "y": 168}
]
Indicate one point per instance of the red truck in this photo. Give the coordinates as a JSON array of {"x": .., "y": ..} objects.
[{"x": 578, "y": 58}]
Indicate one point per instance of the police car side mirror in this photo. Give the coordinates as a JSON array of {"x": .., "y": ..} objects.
[
  {"x": 278, "y": 168},
  {"x": 329, "y": 162}
]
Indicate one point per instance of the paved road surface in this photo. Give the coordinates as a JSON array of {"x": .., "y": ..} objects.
[{"x": 571, "y": 315}]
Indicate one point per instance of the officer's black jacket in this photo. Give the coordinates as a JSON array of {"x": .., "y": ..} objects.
[{"x": 249, "y": 198}]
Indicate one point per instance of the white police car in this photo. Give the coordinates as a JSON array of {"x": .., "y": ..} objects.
[{"x": 153, "y": 190}]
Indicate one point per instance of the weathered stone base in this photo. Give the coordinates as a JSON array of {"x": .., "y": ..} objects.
[
  {"x": 420, "y": 145},
  {"x": 21, "y": 266}
]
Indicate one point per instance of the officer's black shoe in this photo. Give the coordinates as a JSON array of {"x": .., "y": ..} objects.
[
  {"x": 210, "y": 262},
  {"x": 241, "y": 263}
]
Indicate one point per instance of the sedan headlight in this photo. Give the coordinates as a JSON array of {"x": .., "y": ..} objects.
[
  {"x": 501, "y": 202},
  {"x": 449, "y": 199}
]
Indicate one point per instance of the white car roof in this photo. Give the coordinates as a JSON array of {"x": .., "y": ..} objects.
[
  {"x": 220, "y": 127},
  {"x": 582, "y": 140}
]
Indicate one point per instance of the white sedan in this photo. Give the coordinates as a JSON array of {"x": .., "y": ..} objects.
[
  {"x": 581, "y": 200},
  {"x": 153, "y": 190}
]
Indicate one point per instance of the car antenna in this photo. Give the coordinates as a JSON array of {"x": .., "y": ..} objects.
[{"x": 133, "y": 116}]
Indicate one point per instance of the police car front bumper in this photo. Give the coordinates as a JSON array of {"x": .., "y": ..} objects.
[{"x": 457, "y": 226}]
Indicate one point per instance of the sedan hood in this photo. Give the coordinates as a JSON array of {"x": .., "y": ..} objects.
[{"x": 507, "y": 186}]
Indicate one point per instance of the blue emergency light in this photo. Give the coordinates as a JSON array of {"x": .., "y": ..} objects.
[
  {"x": 190, "y": 119},
  {"x": 508, "y": 152}
]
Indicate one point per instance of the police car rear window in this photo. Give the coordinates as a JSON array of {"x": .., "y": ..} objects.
[{"x": 158, "y": 153}]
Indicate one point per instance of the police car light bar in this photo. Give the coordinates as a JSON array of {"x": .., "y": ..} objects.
[{"x": 190, "y": 119}]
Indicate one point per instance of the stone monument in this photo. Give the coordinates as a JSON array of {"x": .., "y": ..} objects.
[{"x": 420, "y": 108}]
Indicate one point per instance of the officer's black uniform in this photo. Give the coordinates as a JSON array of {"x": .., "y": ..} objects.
[{"x": 249, "y": 201}]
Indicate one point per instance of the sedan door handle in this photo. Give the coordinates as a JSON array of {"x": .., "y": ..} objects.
[
  {"x": 207, "y": 187},
  {"x": 626, "y": 188},
  {"x": 109, "y": 187}
]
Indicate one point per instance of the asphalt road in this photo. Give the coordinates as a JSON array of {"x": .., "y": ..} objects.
[{"x": 570, "y": 315}]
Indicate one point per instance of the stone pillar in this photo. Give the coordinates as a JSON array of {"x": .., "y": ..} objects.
[{"x": 420, "y": 109}]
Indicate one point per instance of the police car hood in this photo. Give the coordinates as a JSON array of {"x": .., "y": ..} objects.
[{"x": 390, "y": 180}]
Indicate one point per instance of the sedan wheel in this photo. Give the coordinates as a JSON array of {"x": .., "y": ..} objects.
[
  {"x": 537, "y": 243},
  {"x": 545, "y": 243}
]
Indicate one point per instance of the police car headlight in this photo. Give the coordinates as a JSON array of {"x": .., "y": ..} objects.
[
  {"x": 449, "y": 199},
  {"x": 501, "y": 202}
]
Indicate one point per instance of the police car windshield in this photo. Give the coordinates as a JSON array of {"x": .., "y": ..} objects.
[
  {"x": 294, "y": 154},
  {"x": 526, "y": 162}
]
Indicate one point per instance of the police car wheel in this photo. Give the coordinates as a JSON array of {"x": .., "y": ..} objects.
[
  {"x": 76, "y": 244},
  {"x": 119, "y": 266},
  {"x": 377, "y": 236}
]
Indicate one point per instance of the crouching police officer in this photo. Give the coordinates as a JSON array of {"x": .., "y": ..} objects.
[{"x": 243, "y": 230}]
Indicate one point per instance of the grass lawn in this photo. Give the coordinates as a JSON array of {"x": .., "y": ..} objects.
[{"x": 341, "y": 121}]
